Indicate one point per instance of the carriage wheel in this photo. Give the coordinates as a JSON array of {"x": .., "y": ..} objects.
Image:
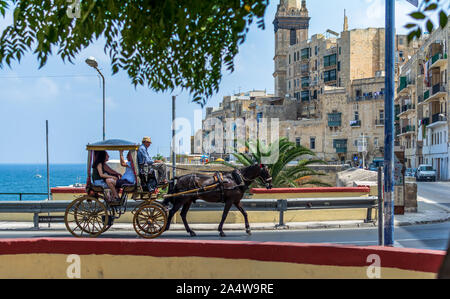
[
  {"x": 86, "y": 217},
  {"x": 150, "y": 220}
]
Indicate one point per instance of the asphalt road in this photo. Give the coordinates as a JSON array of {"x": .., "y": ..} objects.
[
  {"x": 427, "y": 236},
  {"x": 438, "y": 192}
]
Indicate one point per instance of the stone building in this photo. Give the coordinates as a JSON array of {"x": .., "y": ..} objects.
[
  {"x": 329, "y": 89},
  {"x": 422, "y": 103}
]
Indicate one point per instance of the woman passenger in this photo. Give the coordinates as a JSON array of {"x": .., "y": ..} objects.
[{"x": 103, "y": 175}]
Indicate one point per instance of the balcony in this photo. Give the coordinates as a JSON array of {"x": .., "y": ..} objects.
[
  {"x": 438, "y": 91},
  {"x": 406, "y": 109},
  {"x": 305, "y": 85},
  {"x": 355, "y": 123},
  {"x": 404, "y": 85},
  {"x": 408, "y": 129},
  {"x": 334, "y": 119},
  {"x": 340, "y": 145},
  {"x": 437, "y": 120},
  {"x": 439, "y": 60}
]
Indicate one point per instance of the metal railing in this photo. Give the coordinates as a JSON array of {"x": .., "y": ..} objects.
[
  {"x": 280, "y": 205},
  {"x": 22, "y": 194}
]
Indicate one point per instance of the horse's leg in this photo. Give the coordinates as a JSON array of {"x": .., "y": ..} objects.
[
  {"x": 183, "y": 214},
  {"x": 176, "y": 206},
  {"x": 244, "y": 213},
  {"x": 224, "y": 216}
]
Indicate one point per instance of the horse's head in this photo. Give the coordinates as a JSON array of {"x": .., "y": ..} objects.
[{"x": 265, "y": 176}]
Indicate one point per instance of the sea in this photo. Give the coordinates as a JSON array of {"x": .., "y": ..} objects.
[{"x": 32, "y": 178}]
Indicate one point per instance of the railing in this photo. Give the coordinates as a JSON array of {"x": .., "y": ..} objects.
[
  {"x": 355, "y": 123},
  {"x": 366, "y": 98},
  {"x": 438, "y": 88},
  {"x": 438, "y": 117},
  {"x": 408, "y": 129},
  {"x": 305, "y": 99},
  {"x": 408, "y": 107},
  {"x": 437, "y": 57},
  {"x": 281, "y": 205},
  {"x": 22, "y": 194}
]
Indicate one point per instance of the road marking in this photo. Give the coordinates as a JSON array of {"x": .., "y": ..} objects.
[{"x": 420, "y": 198}]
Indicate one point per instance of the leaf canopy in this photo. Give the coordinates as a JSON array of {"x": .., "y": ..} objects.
[{"x": 160, "y": 44}]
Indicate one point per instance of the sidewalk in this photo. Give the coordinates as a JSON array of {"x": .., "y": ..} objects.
[{"x": 428, "y": 212}]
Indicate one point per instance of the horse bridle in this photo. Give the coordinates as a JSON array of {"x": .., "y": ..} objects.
[{"x": 269, "y": 179}]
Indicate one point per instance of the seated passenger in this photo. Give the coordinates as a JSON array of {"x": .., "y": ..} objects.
[
  {"x": 128, "y": 178},
  {"x": 103, "y": 175}
]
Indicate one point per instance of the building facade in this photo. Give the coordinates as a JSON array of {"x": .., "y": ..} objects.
[
  {"x": 422, "y": 106},
  {"x": 329, "y": 93}
]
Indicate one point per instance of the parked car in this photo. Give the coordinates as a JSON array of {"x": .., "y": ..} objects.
[{"x": 426, "y": 172}]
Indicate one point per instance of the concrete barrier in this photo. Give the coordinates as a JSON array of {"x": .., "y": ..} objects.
[
  {"x": 112, "y": 258},
  {"x": 318, "y": 192},
  {"x": 234, "y": 216}
]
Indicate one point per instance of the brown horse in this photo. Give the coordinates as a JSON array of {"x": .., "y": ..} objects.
[{"x": 230, "y": 190}]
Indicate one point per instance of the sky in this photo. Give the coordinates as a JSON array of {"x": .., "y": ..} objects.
[{"x": 69, "y": 95}]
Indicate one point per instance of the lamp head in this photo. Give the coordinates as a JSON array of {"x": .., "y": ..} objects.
[{"x": 92, "y": 62}]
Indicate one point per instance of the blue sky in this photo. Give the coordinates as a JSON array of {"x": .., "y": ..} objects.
[{"x": 69, "y": 96}]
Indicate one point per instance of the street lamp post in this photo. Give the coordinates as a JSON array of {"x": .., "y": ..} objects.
[
  {"x": 93, "y": 63},
  {"x": 389, "y": 126}
]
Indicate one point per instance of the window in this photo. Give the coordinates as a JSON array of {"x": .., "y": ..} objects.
[
  {"x": 329, "y": 76},
  {"x": 339, "y": 66},
  {"x": 313, "y": 142},
  {"x": 293, "y": 39},
  {"x": 375, "y": 141},
  {"x": 329, "y": 60},
  {"x": 381, "y": 115},
  {"x": 356, "y": 115},
  {"x": 297, "y": 141}
]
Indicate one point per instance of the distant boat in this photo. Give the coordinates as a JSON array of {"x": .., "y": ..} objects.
[{"x": 38, "y": 176}]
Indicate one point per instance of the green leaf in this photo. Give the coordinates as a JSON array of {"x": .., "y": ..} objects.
[
  {"x": 430, "y": 26},
  {"x": 418, "y": 15},
  {"x": 432, "y": 6},
  {"x": 443, "y": 19}
]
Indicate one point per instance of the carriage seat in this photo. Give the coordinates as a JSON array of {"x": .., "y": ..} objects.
[{"x": 124, "y": 188}]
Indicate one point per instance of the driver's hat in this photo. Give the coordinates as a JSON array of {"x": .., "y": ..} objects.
[{"x": 146, "y": 139}]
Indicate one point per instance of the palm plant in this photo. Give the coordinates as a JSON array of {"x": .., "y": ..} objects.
[{"x": 283, "y": 175}]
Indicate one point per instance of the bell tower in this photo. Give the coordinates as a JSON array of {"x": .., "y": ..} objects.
[{"x": 291, "y": 26}]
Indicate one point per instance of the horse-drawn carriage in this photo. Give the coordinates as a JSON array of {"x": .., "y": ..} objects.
[{"x": 92, "y": 214}]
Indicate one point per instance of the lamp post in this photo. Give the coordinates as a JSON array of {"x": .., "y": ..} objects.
[{"x": 93, "y": 63}]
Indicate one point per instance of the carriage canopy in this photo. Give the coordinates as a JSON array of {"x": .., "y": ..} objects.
[{"x": 113, "y": 145}]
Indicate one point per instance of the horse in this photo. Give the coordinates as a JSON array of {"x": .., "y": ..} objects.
[{"x": 230, "y": 190}]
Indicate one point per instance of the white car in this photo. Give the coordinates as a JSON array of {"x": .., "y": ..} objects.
[{"x": 426, "y": 172}]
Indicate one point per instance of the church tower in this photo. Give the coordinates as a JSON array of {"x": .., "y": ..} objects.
[{"x": 291, "y": 27}]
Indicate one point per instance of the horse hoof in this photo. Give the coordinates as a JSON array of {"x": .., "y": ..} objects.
[
  {"x": 192, "y": 233},
  {"x": 249, "y": 232},
  {"x": 222, "y": 234}
]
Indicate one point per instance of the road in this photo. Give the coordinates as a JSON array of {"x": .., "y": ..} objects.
[
  {"x": 438, "y": 192},
  {"x": 427, "y": 236}
]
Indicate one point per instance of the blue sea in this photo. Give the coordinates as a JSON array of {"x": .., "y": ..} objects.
[{"x": 32, "y": 178}]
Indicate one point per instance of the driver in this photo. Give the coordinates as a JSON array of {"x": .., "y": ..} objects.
[{"x": 144, "y": 158}]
